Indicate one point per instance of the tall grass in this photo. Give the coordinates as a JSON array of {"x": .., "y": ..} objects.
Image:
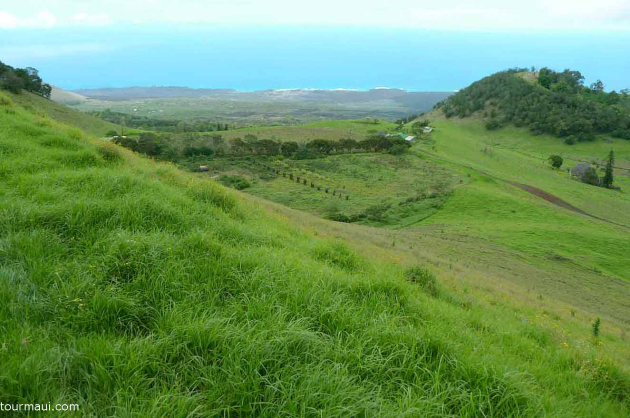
[{"x": 133, "y": 289}]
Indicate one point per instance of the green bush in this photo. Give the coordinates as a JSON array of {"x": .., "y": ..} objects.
[
  {"x": 399, "y": 149},
  {"x": 556, "y": 161},
  {"x": 235, "y": 182},
  {"x": 425, "y": 279}
]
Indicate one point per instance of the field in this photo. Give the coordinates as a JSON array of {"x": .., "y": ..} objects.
[
  {"x": 459, "y": 186},
  {"x": 133, "y": 288},
  {"x": 331, "y": 130},
  {"x": 261, "y": 110}
]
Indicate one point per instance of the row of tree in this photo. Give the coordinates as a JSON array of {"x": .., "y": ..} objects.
[
  {"x": 564, "y": 107},
  {"x": 251, "y": 145},
  {"x": 17, "y": 79},
  {"x": 215, "y": 145}
]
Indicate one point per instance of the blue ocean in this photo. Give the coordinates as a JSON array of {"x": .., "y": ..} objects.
[{"x": 260, "y": 58}]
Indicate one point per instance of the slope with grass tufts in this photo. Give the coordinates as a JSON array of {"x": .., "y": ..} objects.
[{"x": 132, "y": 288}]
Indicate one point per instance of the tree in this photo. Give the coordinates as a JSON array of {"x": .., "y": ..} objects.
[
  {"x": 268, "y": 147},
  {"x": 347, "y": 144},
  {"x": 597, "y": 86},
  {"x": 10, "y": 81},
  {"x": 321, "y": 146},
  {"x": 608, "y": 179},
  {"x": 556, "y": 161},
  {"x": 239, "y": 147},
  {"x": 289, "y": 148}
]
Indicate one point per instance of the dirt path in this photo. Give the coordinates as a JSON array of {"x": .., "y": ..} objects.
[
  {"x": 549, "y": 198},
  {"x": 536, "y": 192}
]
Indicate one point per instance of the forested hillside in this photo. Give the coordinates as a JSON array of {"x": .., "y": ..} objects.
[{"x": 550, "y": 102}]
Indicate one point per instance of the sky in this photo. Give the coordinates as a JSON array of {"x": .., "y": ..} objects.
[
  {"x": 485, "y": 15},
  {"x": 412, "y": 44}
]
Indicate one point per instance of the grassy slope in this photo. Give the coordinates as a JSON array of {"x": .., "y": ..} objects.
[
  {"x": 507, "y": 233},
  {"x": 495, "y": 210},
  {"x": 131, "y": 287},
  {"x": 332, "y": 130},
  {"x": 90, "y": 124}
]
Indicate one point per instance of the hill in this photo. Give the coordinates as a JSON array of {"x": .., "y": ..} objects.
[
  {"x": 66, "y": 97},
  {"x": 63, "y": 114},
  {"x": 546, "y": 102},
  {"x": 130, "y": 287}
]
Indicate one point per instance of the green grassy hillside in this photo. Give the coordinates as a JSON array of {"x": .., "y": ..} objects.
[
  {"x": 132, "y": 288},
  {"x": 60, "y": 113}
]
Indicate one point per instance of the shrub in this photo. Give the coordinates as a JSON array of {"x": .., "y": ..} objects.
[
  {"x": 556, "y": 161},
  {"x": 399, "y": 149},
  {"x": 493, "y": 124},
  {"x": 111, "y": 133},
  {"x": 425, "y": 279},
  {"x": 590, "y": 177},
  {"x": 596, "y": 326},
  {"x": 377, "y": 212},
  {"x": 339, "y": 217},
  {"x": 235, "y": 182}
]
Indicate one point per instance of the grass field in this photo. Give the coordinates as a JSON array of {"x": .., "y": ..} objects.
[
  {"x": 331, "y": 130},
  {"x": 132, "y": 288},
  {"x": 476, "y": 212},
  {"x": 250, "y": 112}
]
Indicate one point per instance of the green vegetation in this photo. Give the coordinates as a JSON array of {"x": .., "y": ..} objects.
[
  {"x": 557, "y": 104},
  {"x": 608, "y": 179},
  {"x": 271, "y": 107},
  {"x": 130, "y": 287},
  {"x": 17, "y": 79},
  {"x": 556, "y": 161},
  {"x": 158, "y": 124}
]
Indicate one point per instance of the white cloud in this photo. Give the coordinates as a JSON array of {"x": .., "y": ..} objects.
[
  {"x": 86, "y": 19},
  {"x": 8, "y": 21},
  {"x": 486, "y": 15},
  {"x": 43, "y": 19}
]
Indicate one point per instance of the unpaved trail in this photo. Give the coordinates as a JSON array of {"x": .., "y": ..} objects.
[
  {"x": 549, "y": 198},
  {"x": 559, "y": 202},
  {"x": 535, "y": 191}
]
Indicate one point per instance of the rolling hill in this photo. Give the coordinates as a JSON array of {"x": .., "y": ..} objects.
[{"x": 131, "y": 287}]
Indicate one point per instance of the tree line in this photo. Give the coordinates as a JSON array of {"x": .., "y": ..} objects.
[
  {"x": 161, "y": 146},
  {"x": 17, "y": 79},
  {"x": 558, "y": 104},
  {"x": 164, "y": 125}
]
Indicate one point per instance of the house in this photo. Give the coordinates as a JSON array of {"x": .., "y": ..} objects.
[
  {"x": 427, "y": 130},
  {"x": 203, "y": 168},
  {"x": 410, "y": 138}
]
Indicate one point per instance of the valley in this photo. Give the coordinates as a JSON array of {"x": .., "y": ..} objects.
[{"x": 347, "y": 266}]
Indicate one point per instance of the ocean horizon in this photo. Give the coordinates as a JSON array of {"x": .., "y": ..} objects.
[{"x": 281, "y": 58}]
